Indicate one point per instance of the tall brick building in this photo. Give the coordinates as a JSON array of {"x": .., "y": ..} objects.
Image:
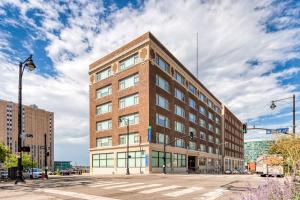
[
  {"x": 37, "y": 122},
  {"x": 142, "y": 82}
]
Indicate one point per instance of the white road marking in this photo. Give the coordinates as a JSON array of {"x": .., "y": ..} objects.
[
  {"x": 106, "y": 184},
  {"x": 213, "y": 195},
  {"x": 120, "y": 186},
  {"x": 75, "y": 194},
  {"x": 159, "y": 189},
  {"x": 182, "y": 192},
  {"x": 139, "y": 187}
]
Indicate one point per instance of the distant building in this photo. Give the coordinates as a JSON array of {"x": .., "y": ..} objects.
[
  {"x": 142, "y": 83},
  {"x": 62, "y": 165},
  {"x": 255, "y": 148},
  {"x": 37, "y": 122}
]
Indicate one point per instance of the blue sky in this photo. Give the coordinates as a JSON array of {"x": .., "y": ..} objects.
[{"x": 248, "y": 54}]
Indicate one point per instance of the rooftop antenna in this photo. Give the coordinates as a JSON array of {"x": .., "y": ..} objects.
[{"x": 197, "y": 58}]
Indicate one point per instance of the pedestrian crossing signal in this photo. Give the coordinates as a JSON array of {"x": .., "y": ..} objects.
[{"x": 245, "y": 128}]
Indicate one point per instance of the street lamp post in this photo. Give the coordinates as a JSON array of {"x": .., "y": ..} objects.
[
  {"x": 273, "y": 106},
  {"x": 30, "y": 65},
  {"x": 127, "y": 159},
  {"x": 31, "y": 136}
]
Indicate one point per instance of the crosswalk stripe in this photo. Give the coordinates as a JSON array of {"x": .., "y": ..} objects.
[
  {"x": 159, "y": 189},
  {"x": 74, "y": 194},
  {"x": 107, "y": 184},
  {"x": 213, "y": 194},
  {"x": 182, "y": 192},
  {"x": 120, "y": 186},
  {"x": 139, "y": 187}
]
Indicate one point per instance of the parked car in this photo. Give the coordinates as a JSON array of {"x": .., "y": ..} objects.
[
  {"x": 65, "y": 172},
  {"x": 235, "y": 171},
  {"x": 33, "y": 173},
  {"x": 4, "y": 175},
  {"x": 228, "y": 171}
]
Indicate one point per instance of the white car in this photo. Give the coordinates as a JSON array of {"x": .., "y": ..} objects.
[{"x": 33, "y": 173}]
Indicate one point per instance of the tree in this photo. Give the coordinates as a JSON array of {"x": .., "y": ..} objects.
[
  {"x": 289, "y": 148},
  {"x": 12, "y": 161},
  {"x": 4, "y": 151}
]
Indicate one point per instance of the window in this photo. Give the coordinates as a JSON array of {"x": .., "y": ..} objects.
[
  {"x": 134, "y": 138},
  {"x": 179, "y": 160},
  {"x": 202, "y": 161},
  {"x": 162, "y": 64},
  {"x": 192, "y": 118},
  {"x": 202, "y": 110},
  {"x": 179, "y": 143},
  {"x": 102, "y": 160},
  {"x": 162, "y": 102},
  {"x": 128, "y": 62},
  {"x": 191, "y": 129},
  {"x": 210, "y": 149},
  {"x": 179, "y": 127},
  {"x": 129, "y": 101},
  {"x": 179, "y": 95},
  {"x": 104, "y": 125},
  {"x": 162, "y": 120},
  {"x": 131, "y": 119},
  {"x": 102, "y": 92},
  {"x": 179, "y": 78},
  {"x": 162, "y": 83},
  {"x": 211, "y": 138},
  {"x": 202, "y": 148},
  {"x": 202, "y": 97},
  {"x": 158, "y": 159},
  {"x": 192, "y": 103},
  {"x": 192, "y": 89},
  {"x": 202, "y": 123},
  {"x": 192, "y": 145},
  {"x": 218, "y": 120},
  {"x": 179, "y": 111},
  {"x": 137, "y": 159},
  {"x": 210, "y": 116},
  {"x": 104, "y": 108},
  {"x": 210, "y": 127},
  {"x": 218, "y": 131},
  {"x": 103, "y": 74},
  {"x": 160, "y": 137},
  {"x": 217, "y": 140},
  {"x": 210, "y": 104},
  {"x": 202, "y": 135},
  {"x": 129, "y": 81},
  {"x": 104, "y": 142}
]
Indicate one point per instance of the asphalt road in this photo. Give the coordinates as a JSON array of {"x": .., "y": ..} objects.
[{"x": 146, "y": 187}]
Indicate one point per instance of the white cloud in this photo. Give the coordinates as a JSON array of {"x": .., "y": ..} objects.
[{"x": 230, "y": 34}]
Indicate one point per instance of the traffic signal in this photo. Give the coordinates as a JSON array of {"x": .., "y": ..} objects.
[
  {"x": 25, "y": 149},
  {"x": 245, "y": 128},
  {"x": 48, "y": 154}
]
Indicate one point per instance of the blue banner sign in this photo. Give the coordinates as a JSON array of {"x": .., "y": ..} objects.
[
  {"x": 149, "y": 134},
  {"x": 282, "y": 130}
]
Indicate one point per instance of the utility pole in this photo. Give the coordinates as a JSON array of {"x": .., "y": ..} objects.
[
  {"x": 127, "y": 171},
  {"x": 45, "y": 150}
]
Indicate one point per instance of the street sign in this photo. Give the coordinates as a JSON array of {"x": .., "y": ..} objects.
[{"x": 282, "y": 130}]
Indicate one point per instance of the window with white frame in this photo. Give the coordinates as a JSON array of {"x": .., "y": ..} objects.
[
  {"x": 128, "y": 62},
  {"x": 179, "y": 78},
  {"x": 192, "y": 89},
  {"x": 179, "y": 94},
  {"x": 162, "y": 83},
  {"x": 104, "y": 125},
  {"x": 131, "y": 119},
  {"x": 179, "y": 142},
  {"x": 192, "y": 118},
  {"x": 104, "y": 142},
  {"x": 217, "y": 140},
  {"x": 103, "y": 108},
  {"x": 202, "y": 147},
  {"x": 210, "y": 104},
  {"x": 218, "y": 131},
  {"x": 129, "y": 81},
  {"x": 179, "y": 111},
  {"x": 162, "y": 120},
  {"x": 192, "y": 145},
  {"x": 193, "y": 130},
  {"x": 202, "y": 135},
  {"x": 210, "y": 116},
  {"x": 104, "y": 91},
  {"x": 129, "y": 101},
  {"x": 134, "y": 138},
  {"x": 218, "y": 120},
  {"x": 162, "y": 102},
  {"x": 202, "y": 110},
  {"x": 210, "y": 127},
  {"x": 202, "y": 123},
  {"x": 202, "y": 97},
  {"x": 162, "y": 64},
  {"x": 179, "y": 127},
  {"x": 211, "y": 138},
  {"x": 160, "y": 138},
  {"x": 192, "y": 103},
  {"x": 210, "y": 149},
  {"x": 103, "y": 74}
]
